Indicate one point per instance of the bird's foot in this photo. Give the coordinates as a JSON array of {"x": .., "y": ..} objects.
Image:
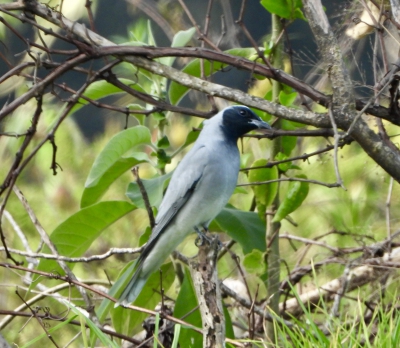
[{"x": 203, "y": 238}]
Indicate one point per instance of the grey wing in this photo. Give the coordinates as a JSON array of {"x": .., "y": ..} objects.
[{"x": 183, "y": 183}]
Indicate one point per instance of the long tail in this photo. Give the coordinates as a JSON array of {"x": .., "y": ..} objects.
[
  {"x": 134, "y": 287},
  {"x": 138, "y": 280}
]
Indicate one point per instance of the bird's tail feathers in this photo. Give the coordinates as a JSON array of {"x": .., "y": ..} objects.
[{"x": 134, "y": 286}]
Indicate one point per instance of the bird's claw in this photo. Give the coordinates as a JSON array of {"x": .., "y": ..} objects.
[{"x": 203, "y": 238}]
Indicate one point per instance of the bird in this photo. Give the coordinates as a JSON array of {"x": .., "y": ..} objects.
[{"x": 200, "y": 187}]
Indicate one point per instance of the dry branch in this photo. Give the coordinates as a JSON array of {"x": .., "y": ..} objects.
[{"x": 362, "y": 272}]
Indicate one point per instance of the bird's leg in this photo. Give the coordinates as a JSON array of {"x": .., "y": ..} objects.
[
  {"x": 201, "y": 236},
  {"x": 219, "y": 243}
]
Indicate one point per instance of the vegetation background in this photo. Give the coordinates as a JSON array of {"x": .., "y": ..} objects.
[{"x": 310, "y": 247}]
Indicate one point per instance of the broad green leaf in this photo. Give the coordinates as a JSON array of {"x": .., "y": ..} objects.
[
  {"x": 125, "y": 320},
  {"x": 289, "y": 9},
  {"x": 245, "y": 227},
  {"x": 102, "y": 89},
  {"x": 111, "y": 154},
  {"x": 264, "y": 194},
  {"x": 93, "y": 193},
  {"x": 180, "y": 39},
  {"x": 254, "y": 262},
  {"x": 154, "y": 188},
  {"x": 177, "y": 92},
  {"x": 295, "y": 195},
  {"x": 75, "y": 235},
  {"x": 186, "y": 303},
  {"x": 278, "y": 7}
]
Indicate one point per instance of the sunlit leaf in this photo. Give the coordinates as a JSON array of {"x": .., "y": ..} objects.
[
  {"x": 93, "y": 193},
  {"x": 75, "y": 235},
  {"x": 109, "y": 165},
  {"x": 289, "y": 9},
  {"x": 180, "y": 39}
]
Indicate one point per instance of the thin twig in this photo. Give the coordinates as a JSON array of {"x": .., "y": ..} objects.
[
  {"x": 145, "y": 196},
  {"x": 34, "y": 313},
  {"x": 99, "y": 257},
  {"x": 94, "y": 290},
  {"x": 292, "y": 179},
  {"x": 307, "y": 241}
]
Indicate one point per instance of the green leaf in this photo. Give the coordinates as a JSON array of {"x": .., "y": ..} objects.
[
  {"x": 288, "y": 142},
  {"x": 296, "y": 194},
  {"x": 96, "y": 332},
  {"x": 229, "y": 333},
  {"x": 180, "y": 39},
  {"x": 154, "y": 187},
  {"x": 163, "y": 143},
  {"x": 144, "y": 237},
  {"x": 92, "y": 194},
  {"x": 285, "y": 166},
  {"x": 139, "y": 117},
  {"x": 102, "y": 172},
  {"x": 191, "y": 138},
  {"x": 254, "y": 262},
  {"x": 150, "y": 37},
  {"x": 75, "y": 235},
  {"x": 102, "y": 89},
  {"x": 177, "y": 92},
  {"x": 125, "y": 320},
  {"x": 264, "y": 194},
  {"x": 289, "y": 9},
  {"x": 287, "y": 99},
  {"x": 245, "y": 227},
  {"x": 278, "y": 7},
  {"x": 186, "y": 303}
]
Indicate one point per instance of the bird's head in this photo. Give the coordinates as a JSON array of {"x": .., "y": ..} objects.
[{"x": 237, "y": 120}]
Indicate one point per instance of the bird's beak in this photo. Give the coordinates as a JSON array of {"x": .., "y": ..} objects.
[{"x": 260, "y": 124}]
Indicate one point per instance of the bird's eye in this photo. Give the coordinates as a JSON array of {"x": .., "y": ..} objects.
[{"x": 242, "y": 112}]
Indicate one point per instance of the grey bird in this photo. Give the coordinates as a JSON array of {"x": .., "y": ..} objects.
[{"x": 200, "y": 187}]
